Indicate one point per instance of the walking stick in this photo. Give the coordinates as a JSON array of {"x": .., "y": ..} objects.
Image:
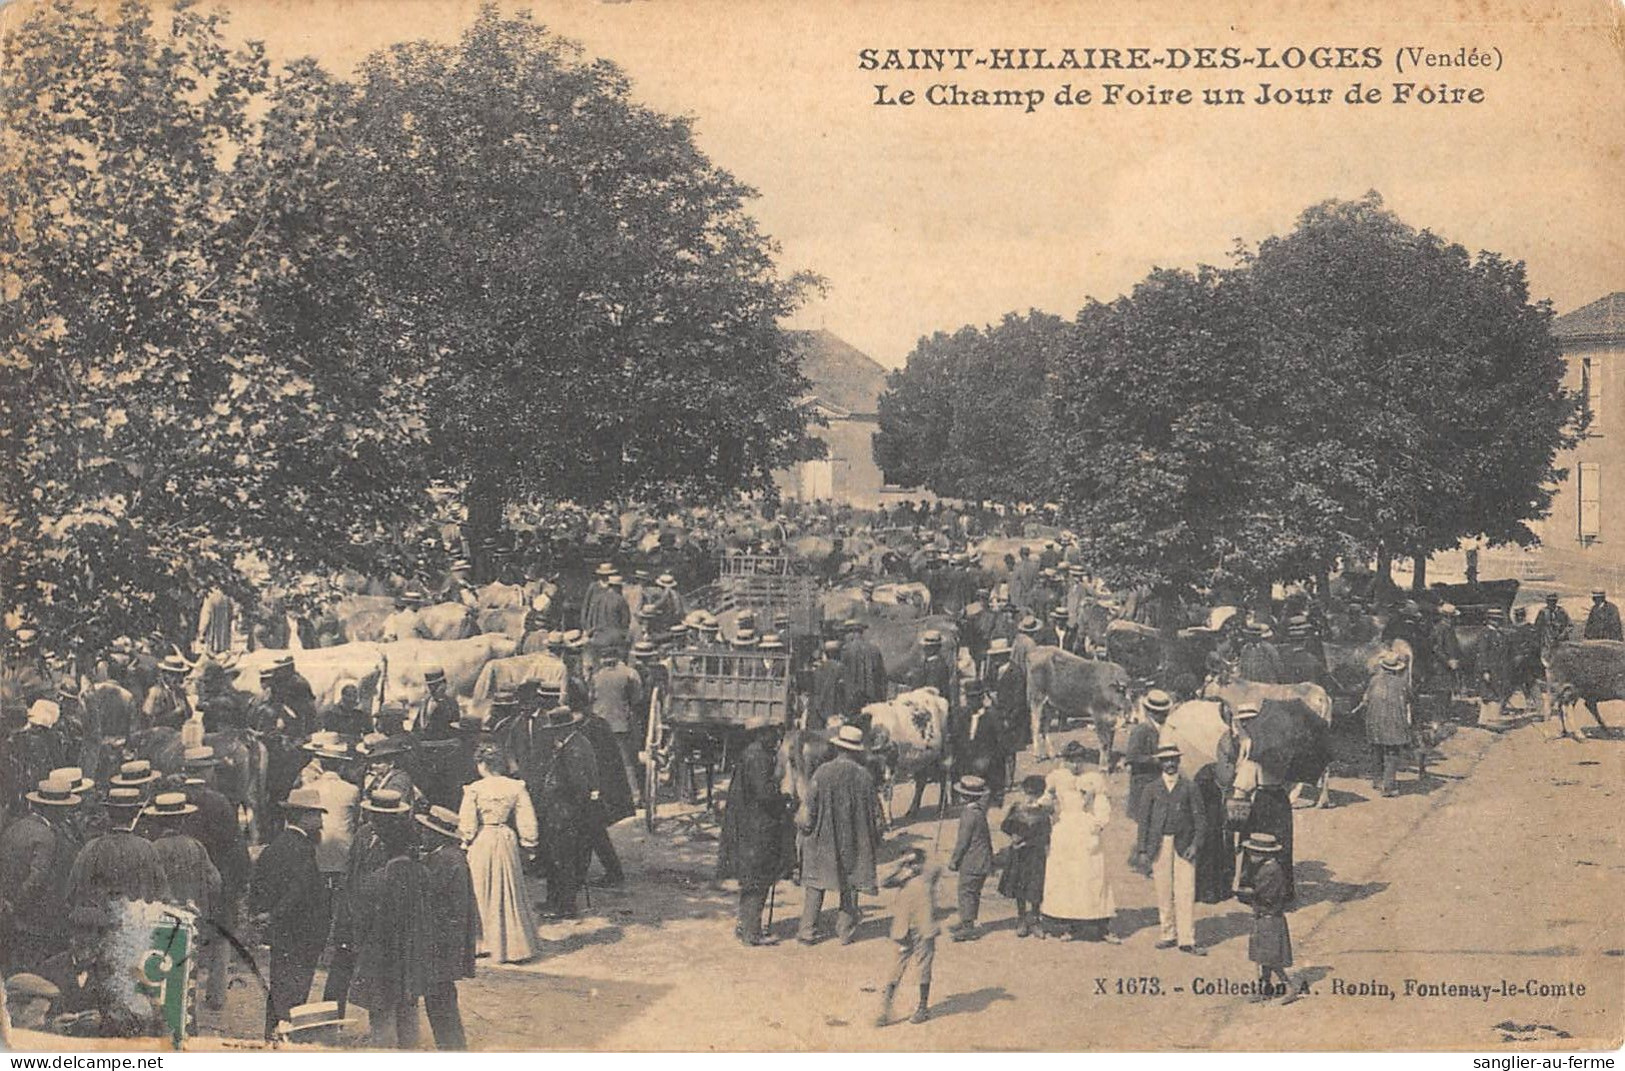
[{"x": 772, "y": 894}]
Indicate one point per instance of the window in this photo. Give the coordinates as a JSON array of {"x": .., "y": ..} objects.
[
  {"x": 1590, "y": 502},
  {"x": 1591, "y": 383}
]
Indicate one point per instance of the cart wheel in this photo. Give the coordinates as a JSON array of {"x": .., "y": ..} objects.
[{"x": 651, "y": 759}]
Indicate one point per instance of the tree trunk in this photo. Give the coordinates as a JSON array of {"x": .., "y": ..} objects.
[
  {"x": 485, "y": 509},
  {"x": 1385, "y": 565},
  {"x": 1419, "y": 579}
]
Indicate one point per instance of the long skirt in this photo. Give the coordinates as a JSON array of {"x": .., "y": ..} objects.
[
  {"x": 1216, "y": 861},
  {"x": 507, "y": 923},
  {"x": 1271, "y": 942},
  {"x": 1075, "y": 885},
  {"x": 1272, "y": 813}
]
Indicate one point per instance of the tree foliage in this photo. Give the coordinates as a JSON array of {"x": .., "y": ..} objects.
[
  {"x": 603, "y": 311},
  {"x": 157, "y": 420},
  {"x": 252, "y": 315},
  {"x": 965, "y": 416},
  {"x": 1353, "y": 386}
]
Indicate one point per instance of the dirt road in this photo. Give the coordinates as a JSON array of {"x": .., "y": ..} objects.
[{"x": 1504, "y": 868}]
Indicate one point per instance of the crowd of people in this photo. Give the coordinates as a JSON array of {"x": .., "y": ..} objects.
[{"x": 399, "y": 838}]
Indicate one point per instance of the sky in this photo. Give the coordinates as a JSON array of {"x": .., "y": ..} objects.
[{"x": 925, "y": 218}]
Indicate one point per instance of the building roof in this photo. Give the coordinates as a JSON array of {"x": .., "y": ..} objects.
[
  {"x": 1601, "y": 321},
  {"x": 843, "y": 377}
]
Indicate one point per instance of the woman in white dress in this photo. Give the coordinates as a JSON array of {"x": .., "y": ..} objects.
[
  {"x": 492, "y": 807},
  {"x": 1077, "y": 896}
]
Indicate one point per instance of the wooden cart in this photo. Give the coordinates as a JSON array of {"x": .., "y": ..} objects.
[{"x": 702, "y": 705}]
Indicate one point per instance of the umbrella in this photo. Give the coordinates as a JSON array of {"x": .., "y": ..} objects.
[
  {"x": 1197, "y": 727},
  {"x": 1289, "y": 741}
]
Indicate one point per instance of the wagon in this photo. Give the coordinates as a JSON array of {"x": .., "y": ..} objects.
[
  {"x": 768, "y": 584},
  {"x": 701, "y": 707}
]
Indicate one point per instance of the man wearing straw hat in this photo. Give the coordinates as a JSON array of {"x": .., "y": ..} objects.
[
  {"x": 1170, "y": 840},
  {"x": 167, "y": 704},
  {"x": 192, "y": 876},
  {"x": 216, "y": 827},
  {"x": 392, "y": 928},
  {"x": 291, "y": 896},
  {"x": 40, "y": 745},
  {"x": 842, "y": 829},
  {"x": 37, "y": 852},
  {"x": 120, "y": 864},
  {"x": 456, "y": 924}
]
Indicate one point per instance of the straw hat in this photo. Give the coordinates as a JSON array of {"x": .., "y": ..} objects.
[
  {"x": 1262, "y": 842},
  {"x": 134, "y": 774},
  {"x": 441, "y": 820},
  {"x": 170, "y": 804},
  {"x": 54, "y": 793},
  {"x": 386, "y": 801},
  {"x": 849, "y": 737}
]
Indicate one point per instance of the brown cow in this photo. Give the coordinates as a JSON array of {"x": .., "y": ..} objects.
[
  {"x": 1075, "y": 688},
  {"x": 1589, "y": 672}
]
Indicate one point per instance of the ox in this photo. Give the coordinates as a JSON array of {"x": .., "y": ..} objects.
[
  {"x": 362, "y": 617},
  {"x": 1074, "y": 688},
  {"x": 1232, "y": 691},
  {"x": 461, "y": 659},
  {"x": 910, "y": 734},
  {"x": 1589, "y": 672},
  {"x": 322, "y": 668},
  {"x": 1150, "y": 653},
  {"x": 544, "y": 668},
  {"x": 444, "y": 621}
]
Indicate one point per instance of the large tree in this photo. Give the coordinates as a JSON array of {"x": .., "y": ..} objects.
[
  {"x": 1427, "y": 383},
  {"x": 159, "y": 416},
  {"x": 1167, "y": 450},
  {"x": 602, "y": 310},
  {"x": 965, "y": 416}
]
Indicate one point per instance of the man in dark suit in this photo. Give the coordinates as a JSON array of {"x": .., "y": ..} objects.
[
  {"x": 456, "y": 925},
  {"x": 216, "y": 827},
  {"x": 935, "y": 670},
  {"x": 865, "y": 669},
  {"x": 1170, "y": 838},
  {"x": 976, "y": 740},
  {"x": 1602, "y": 623},
  {"x": 288, "y": 888},
  {"x": 37, "y": 852},
  {"x": 828, "y": 698}
]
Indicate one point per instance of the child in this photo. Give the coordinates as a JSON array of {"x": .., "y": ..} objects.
[
  {"x": 973, "y": 855},
  {"x": 914, "y": 928},
  {"x": 1027, "y": 824},
  {"x": 1271, "y": 944}
]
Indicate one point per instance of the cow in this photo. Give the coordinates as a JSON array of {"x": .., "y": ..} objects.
[
  {"x": 461, "y": 659},
  {"x": 1232, "y": 691},
  {"x": 505, "y": 621},
  {"x": 363, "y": 616},
  {"x": 543, "y": 667},
  {"x": 899, "y": 643},
  {"x": 1589, "y": 672},
  {"x": 1075, "y": 688},
  {"x": 910, "y": 733},
  {"x": 443, "y": 621},
  {"x": 322, "y": 667},
  {"x": 1150, "y": 653},
  {"x": 892, "y": 602}
]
